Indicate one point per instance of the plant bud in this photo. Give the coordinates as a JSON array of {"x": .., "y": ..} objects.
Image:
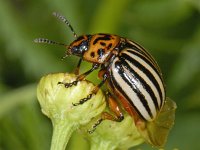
[
  {"x": 56, "y": 102},
  {"x": 111, "y": 135}
]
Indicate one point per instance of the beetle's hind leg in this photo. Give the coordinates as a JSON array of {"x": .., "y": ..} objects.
[{"x": 114, "y": 108}]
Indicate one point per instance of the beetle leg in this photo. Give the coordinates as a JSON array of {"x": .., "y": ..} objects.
[
  {"x": 76, "y": 71},
  {"x": 94, "y": 92},
  {"x": 114, "y": 107},
  {"x": 80, "y": 77}
]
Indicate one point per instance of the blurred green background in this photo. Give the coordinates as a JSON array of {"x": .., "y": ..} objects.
[{"x": 169, "y": 29}]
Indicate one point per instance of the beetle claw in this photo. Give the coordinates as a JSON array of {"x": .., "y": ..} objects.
[
  {"x": 95, "y": 126},
  {"x": 83, "y": 100},
  {"x": 67, "y": 85}
]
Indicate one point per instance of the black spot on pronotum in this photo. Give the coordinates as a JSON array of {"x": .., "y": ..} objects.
[
  {"x": 100, "y": 52},
  {"x": 110, "y": 45},
  {"x": 103, "y": 44},
  {"x": 92, "y": 54},
  {"x": 106, "y": 37}
]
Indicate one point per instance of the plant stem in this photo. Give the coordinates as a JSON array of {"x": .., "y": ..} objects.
[{"x": 62, "y": 131}]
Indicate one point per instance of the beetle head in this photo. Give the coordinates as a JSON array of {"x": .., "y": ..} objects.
[{"x": 78, "y": 46}]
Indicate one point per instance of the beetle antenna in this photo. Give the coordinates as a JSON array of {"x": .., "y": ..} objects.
[
  {"x": 63, "y": 19},
  {"x": 47, "y": 41}
]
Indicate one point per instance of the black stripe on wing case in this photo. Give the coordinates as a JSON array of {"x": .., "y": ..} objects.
[
  {"x": 116, "y": 84},
  {"x": 140, "y": 49},
  {"x": 133, "y": 87},
  {"x": 145, "y": 71},
  {"x": 143, "y": 82},
  {"x": 132, "y": 51}
]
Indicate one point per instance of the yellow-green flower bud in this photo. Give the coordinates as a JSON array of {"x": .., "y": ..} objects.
[
  {"x": 56, "y": 102},
  {"x": 111, "y": 135}
]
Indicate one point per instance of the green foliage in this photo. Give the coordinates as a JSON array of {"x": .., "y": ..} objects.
[{"x": 169, "y": 29}]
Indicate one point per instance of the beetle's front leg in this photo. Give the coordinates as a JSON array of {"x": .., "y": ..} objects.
[
  {"x": 77, "y": 70},
  {"x": 80, "y": 77},
  {"x": 93, "y": 92}
]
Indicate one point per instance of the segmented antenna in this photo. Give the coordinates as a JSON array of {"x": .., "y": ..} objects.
[
  {"x": 63, "y": 19},
  {"x": 47, "y": 41}
]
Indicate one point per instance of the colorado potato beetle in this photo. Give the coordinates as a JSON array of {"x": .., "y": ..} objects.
[{"x": 132, "y": 76}]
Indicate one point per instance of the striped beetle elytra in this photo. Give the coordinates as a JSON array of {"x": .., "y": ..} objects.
[{"x": 132, "y": 76}]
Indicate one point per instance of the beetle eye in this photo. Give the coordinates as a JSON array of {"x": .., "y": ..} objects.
[
  {"x": 74, "y": 49},
  {"x": 83, "y": 46},
  {"x": 79, "y": 50}
]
